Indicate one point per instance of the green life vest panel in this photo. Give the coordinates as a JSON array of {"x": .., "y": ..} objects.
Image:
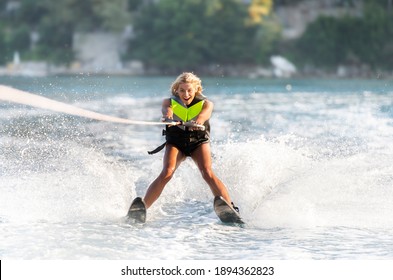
[{"x": 185, "y": 113}]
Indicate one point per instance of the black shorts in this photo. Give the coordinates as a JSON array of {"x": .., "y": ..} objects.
[
  {"x": 187, "y": 141},
  {"x": 188, "y": 147}
]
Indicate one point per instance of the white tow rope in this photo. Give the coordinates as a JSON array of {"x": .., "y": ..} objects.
[{"x": 18, "y": 96}]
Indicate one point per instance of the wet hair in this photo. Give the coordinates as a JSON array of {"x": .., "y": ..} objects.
[{"x": 190, "y": 78}]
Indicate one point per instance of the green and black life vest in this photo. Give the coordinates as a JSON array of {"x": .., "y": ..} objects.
[
  {"x": 186, "y": 113},
  {"x": 180, "y": 133}
]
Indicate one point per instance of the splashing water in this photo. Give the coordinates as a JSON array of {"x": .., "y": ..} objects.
[{"x": 310, "y": 169}]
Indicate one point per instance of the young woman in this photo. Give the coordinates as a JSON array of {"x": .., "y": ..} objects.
[{"x": 191, "y": 138}]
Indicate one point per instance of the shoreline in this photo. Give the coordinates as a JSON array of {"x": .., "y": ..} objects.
[{"x": 43, "y": 69}]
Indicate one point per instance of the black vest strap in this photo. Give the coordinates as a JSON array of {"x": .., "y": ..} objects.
[{"x": 156, "y": 150}]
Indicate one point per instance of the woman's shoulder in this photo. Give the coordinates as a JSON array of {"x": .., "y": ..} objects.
[
  {"x": 166, "y": 101},
  {"x": 201, "y": 97}
]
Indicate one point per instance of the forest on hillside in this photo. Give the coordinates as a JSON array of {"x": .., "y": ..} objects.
[{"x": 174, "y": 33}]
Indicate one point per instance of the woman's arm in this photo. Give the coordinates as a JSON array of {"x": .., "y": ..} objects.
[
  {"x": 166, "y": 109},
  {"x": 206, "y": 112}
]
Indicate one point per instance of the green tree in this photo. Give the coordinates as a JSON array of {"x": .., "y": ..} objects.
[
  {"x": 87, "y": 15},
  {"x": 55, "y": 43},
  {"x": 174, "y": 34},
  {"x": 318, "y": 45},
  {"x": 378, "y": 23},
  {"x": 43, "y": 17},
  {"x": 113, "y": 15},
  {"x": 56, "y": 22},
  {"x": 3, "y": 45},
  {"x": 330, "y": 41},
  {"x": 19, "y": 39},
  {"x": 267, "y": 38}
]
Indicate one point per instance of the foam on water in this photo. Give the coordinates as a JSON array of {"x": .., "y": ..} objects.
[
  {"x": 281, "y": 180},
  {"x": 281, "y": 186},
  {"x": 306, "y": 169},
  {"x": 62, "y": 181}
]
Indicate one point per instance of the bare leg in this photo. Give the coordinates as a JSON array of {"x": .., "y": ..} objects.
[
  {"x": 202, "y": 157},
  {"x": 172, "y": 159}
]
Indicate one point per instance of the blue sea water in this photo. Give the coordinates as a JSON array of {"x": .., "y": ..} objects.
[{"x": 309, "y": 163}]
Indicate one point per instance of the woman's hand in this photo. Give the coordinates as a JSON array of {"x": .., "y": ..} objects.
[{"x": 193, "y": 125}]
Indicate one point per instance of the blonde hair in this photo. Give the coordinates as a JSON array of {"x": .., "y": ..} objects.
[{"x": 187, "y": 77}]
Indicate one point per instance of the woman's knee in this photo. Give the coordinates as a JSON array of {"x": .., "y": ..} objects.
[
  {"x": 207, "y": 173},
  {"x": 167, "y": 172}
]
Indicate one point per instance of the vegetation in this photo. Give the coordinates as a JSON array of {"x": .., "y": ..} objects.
[
  {"x": 199, "y": 31},
  {"x": 173, "y": 34},
  {"x": 329, "y": 41},
  {"x": 54, "y": 23}
]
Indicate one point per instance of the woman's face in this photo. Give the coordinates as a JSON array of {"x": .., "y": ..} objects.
[{"x": 186, "y": 92}]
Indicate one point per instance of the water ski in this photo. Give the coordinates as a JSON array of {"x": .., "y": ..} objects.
[
  {"x": 225, "y": 212},
  {"x": 137, "y": 211}
]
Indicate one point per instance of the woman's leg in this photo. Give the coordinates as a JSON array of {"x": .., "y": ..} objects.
[
  {"x": 202, "y": 157},
  {"x": 172, "y": 159}
]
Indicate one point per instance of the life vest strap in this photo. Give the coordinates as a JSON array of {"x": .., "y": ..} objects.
[{"x": 156, "y": 150}]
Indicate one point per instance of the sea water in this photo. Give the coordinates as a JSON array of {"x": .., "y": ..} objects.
[{"x": 308, "y": 162}]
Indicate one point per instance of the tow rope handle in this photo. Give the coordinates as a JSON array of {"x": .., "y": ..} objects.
[{"x": 189, "y": 124}]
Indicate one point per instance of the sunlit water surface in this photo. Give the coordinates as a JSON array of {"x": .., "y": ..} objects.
[{"x": 309, "y": 163}]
